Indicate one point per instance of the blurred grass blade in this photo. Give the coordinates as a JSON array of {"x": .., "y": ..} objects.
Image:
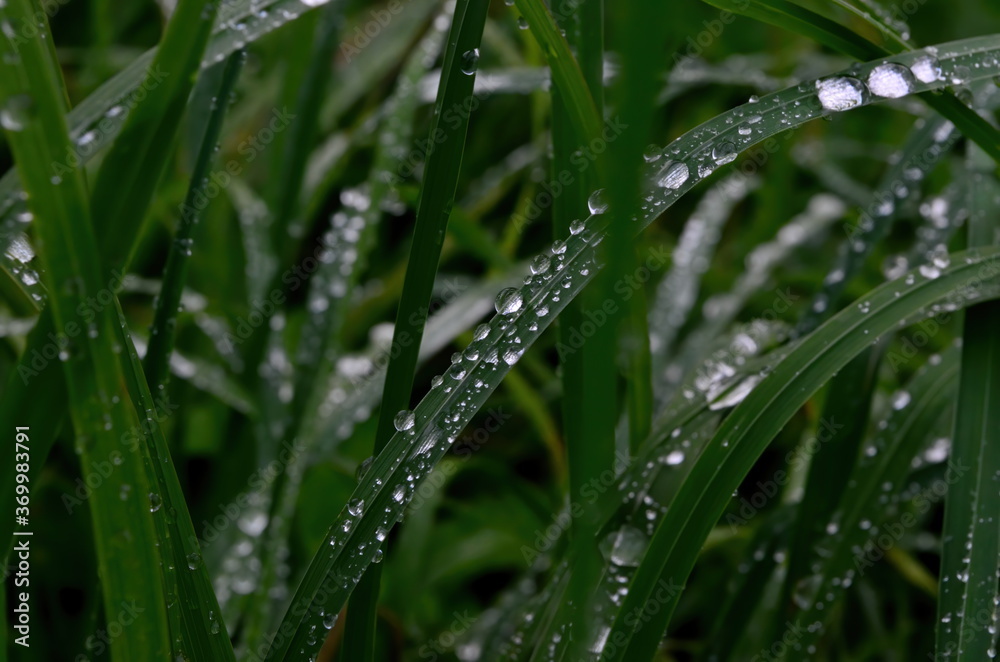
[
  {"x": 163, "y": 333},
  {"x": 302, "y": 132},
  {"x": 437, "y": 196},
  {"x": 131, "y": 169},
  {"x": 350, "y": 241},
  {"x": 970, "y": 537},
  {"x": 98, "y": 119},
  {"x": 849, "y": 543},
  {"x": 930, "y": 142},
  {"x": 128, "y": 550},
  {"x": 790, "y": 16}
]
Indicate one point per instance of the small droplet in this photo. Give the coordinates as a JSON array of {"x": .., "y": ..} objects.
[
  {"x": 16, "y": 112},
  {"x": 194, "y": 560},
  {"x": 470, "y": 61},
  {"x": 154, "y": 502},
  {"x": 356, "y": 507}
]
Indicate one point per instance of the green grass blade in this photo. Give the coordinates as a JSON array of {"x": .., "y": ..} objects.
[
  {"x": 584, "y": 459},
  {"x": 190, "y": 591},
  {"x": 566, "y": 73},
  {"x": 124, "y": 531},
  {"x": 970, "y": 538},
  {"x": 744, "y": 435},
  {"x": 437, "y": 196},
  {"x": 163, "y": 332}
]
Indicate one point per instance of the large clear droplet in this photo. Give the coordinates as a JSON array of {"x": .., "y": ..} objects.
[
  {"x": 890, "y": 80},
  {"x": 509, "y": 301},
  {"x": 405, "y": 420},
  {"x": 674, "y": 174},
  {"x": 840, "y": 93},
  {"x": 470, "y": 61}
]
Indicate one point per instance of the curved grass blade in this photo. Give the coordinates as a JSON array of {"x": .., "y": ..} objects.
[
  {"x": 127, "y": 545},
  {"x": 437, "y": 196},
  {"x": 163, "y": 333},
  {"x": 744, "y": 435},
  {"x": 559, "y": 276},
  {"x": 844, "y": 552}
]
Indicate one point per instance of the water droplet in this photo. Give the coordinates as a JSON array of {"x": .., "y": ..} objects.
[
  {"x": 356, "y": 507},
  {"x": 674, "y": 457},
  {"x": 724, "y": 152},
  {"x": 674, "y": 174},
  {"x": 900, "y": 400},
  {"x": 470, "y": 61},
  {"x": 840, "y": 93},
  {"x": 926, "y": 69},
  {"x": 405, "y": 420},
  {"x": 154, "y": 502},
  {"x": 16, "y": 112},
  {"x": 194, "y": 560},
  {"x": 597, "y": 202},
  {"x": 890, "y": 80},
  {"x": 539, "y": 265},
  {"x": 509, "y": 301},
  {"x": 576, "y": 227}
]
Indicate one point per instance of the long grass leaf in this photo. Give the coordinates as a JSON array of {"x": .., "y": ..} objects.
[
  {"x": 124, "y": 531},
  {"x": 437, "y": 196}
]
